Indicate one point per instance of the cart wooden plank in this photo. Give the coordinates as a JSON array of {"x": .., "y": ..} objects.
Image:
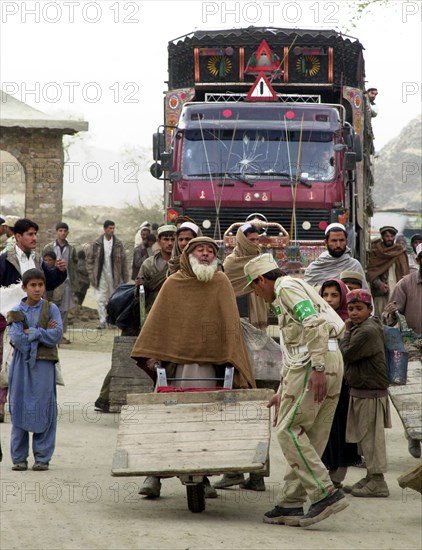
[
  {"x": 187, "y": 427},
  {"x": 407, "y": 400},
  {"x": 205, "y": 463},
  {"x": 193, "y": 433},
  {"x": 257, "y": 432},
  {"x": 249, "y": 412},
  {"x": 199, "y": 397},
  {"x": 203, "y": 444}
]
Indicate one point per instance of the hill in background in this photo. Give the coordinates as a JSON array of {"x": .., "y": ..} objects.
[{"x": 398, "y": 170}]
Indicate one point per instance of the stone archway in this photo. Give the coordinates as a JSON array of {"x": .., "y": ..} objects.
[
  {"x": 35, "y": 139},
  {"x": 40, "y": 153},
  {"x": 12, "y": 185}
]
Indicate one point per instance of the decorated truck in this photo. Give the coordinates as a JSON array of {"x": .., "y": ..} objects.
[{"x": 270, "y": 121}]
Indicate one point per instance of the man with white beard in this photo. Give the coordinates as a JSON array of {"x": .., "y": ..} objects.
[
  {"x": 194, "y": 331},
  {"x": 203, "y": 262}
]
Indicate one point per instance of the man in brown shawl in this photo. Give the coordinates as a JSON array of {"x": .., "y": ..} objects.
[
  {"x": 196, "y": 311},
  {"x": 246, "y": 248},
  {"x": 387, "y": 264}
]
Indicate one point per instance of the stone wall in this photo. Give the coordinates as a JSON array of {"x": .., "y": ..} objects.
[{"x": 40, "y": 152}]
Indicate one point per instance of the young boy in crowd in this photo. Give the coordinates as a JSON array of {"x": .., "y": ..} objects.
[
  {"x": 50, "y": 260},
  {"x": 352, "y": 279},
  {"x": 366, "y": 374},
  {"x": 35, "y": 330}
]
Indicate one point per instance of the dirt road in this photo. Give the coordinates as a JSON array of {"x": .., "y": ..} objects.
[{"x": 78, "y": 505}]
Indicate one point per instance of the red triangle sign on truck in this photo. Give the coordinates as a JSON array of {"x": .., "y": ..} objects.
[{"x": 261, "y": 90}]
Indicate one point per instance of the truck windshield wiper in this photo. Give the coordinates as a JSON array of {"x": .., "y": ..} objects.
[
  {"x": 241, "y": 177},
  {"x": 230, "y": 175},
  {"x": 292, "y": 178},
  {"x": 278, "y": 174}
]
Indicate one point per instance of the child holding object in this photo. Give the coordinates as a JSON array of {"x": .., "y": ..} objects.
[
  {"x": 338, "y": 454},
  {"x": 35, "y": 328},
  {"x": 366, "y": 373}
]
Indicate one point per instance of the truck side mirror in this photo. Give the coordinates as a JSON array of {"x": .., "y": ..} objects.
[
  {"x": 158, "y": 145},
  {"x": 166, "y": 160},
  {"x": 156, "y": 170},
  {"x": 357, "y": 148},
  {"x": 349, "y": 161}
]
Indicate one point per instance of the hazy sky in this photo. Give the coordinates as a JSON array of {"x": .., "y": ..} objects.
[{"x": 106, "y": 61}]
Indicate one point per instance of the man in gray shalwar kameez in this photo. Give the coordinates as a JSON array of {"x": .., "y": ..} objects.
[{"x": 334, "y": 260}]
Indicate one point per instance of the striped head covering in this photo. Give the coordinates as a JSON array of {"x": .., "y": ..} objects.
[{"x": 359, "y": 295}]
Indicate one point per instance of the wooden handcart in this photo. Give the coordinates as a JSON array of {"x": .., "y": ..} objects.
[{"x": 194, "y": 434}]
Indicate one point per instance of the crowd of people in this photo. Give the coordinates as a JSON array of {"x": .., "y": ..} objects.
[{"x": 331, "y": 334}]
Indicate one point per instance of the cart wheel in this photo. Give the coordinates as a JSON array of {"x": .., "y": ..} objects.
[{"x": 196, "y": 497}]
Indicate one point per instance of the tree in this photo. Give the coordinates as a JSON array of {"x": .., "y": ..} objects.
[{"x": 363, "y": 8}]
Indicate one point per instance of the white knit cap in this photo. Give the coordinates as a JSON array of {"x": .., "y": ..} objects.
[
  {"x": 189, "y": 225},
  {"x": 166, "y": 229},
  {"x": 335, "y": 225}
]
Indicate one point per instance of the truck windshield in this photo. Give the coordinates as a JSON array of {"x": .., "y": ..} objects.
[{"x": 266, "y": 154}]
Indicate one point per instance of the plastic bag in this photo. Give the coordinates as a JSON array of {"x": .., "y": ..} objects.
[
  {"x": 123, "y": 307},
  {"x": 396, "y": 356},
  {"x": 264, "y": 353},
  {"x": 10, "y": 296},
  {"x": 59, "y": 375},
  {"x": 7, "y": 359}
]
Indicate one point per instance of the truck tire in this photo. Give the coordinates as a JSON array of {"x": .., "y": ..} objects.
[{"x": 196, "y": 497}]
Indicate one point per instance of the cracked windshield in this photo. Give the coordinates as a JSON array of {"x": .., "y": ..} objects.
[{"x": 253, "y": 154}]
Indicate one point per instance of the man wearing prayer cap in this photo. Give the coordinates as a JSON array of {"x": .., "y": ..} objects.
[
  {"x": 390, "y": 228},
  {"x": 194, "y": 329},
  {"x": 185, "y": 233},
  {"x": 335, "y": 259},
  {"x": 387, "y": 264},
  {"x": 153, "y": 271},
  {"x": 311, "y": 381}
]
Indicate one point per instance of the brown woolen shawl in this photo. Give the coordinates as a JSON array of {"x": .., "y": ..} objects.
[
  {"x": 382, "y": 258},
  {"x": 244, "y": 251},
  {"x": 195, "y": 322}
]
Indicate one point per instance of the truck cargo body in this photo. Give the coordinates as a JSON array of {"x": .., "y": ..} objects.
[{"x": 273, "y": 121}]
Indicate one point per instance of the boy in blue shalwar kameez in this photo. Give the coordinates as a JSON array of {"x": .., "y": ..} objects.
[{"x": 35, "y": 328}]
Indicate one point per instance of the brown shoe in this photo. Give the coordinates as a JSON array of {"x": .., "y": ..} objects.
[
  {"x": 375, "y": 488},
  {"x": 358, "y": 485},
  {"x": 20, "y": 466},
  {"x": 64, "y": 340},
  {"x": 40, "y": 466}
]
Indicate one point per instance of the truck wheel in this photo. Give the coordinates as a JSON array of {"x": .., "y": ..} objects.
[{"x": 196, "y": 497}]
